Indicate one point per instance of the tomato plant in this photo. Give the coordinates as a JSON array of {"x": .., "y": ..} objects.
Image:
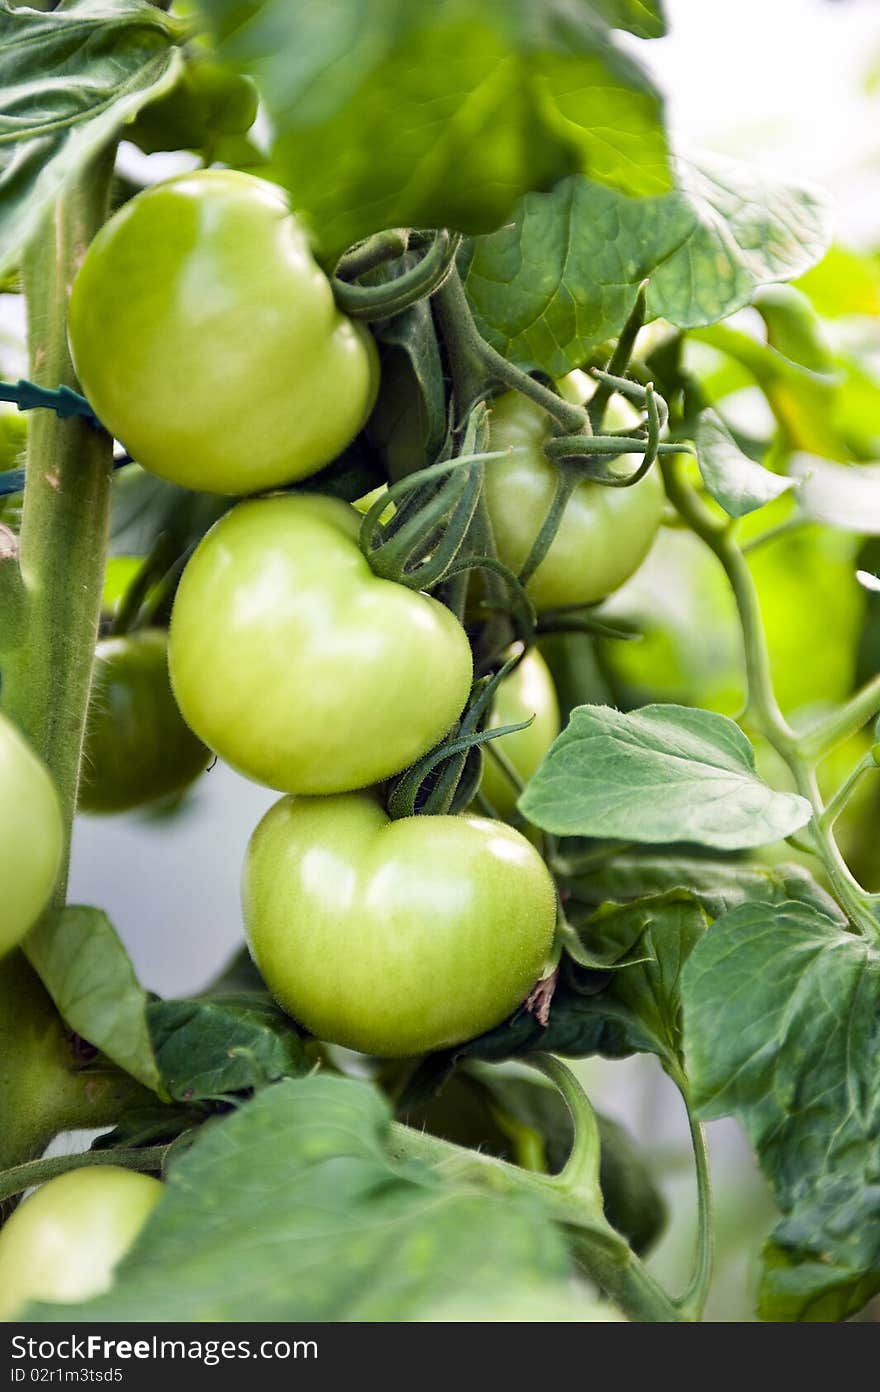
[
  {"x": 31, "y": 835},
  {"x": 277, "y": 380},
  {"x": 442, "y": 454},
  {"x": 63, "y": 1243},
  {"x": 423, "y": 933},
  {"x": 297, "y": 665},
  {"x": 137, "y": 747}
]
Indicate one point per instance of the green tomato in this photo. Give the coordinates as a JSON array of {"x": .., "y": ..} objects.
[
  {"x": 208, "y": 341},
  {"x": 64, "y": 1242},
  {"x": 297, "y": 665},
  {"x": 31, "y": 836},
  {"x": 528, "y": 691},
  {"x": 138, "y": 747},
  {"x": 394, "y": 938},
  {"x": 605, "y": 533}
]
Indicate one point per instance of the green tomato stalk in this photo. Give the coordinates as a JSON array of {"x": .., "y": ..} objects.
[{"x": 46, "y": 680}]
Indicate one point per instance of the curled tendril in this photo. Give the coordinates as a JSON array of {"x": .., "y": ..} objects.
[
  {"x": 394, "y": 296},
  {"x": 454, "y": 757}
]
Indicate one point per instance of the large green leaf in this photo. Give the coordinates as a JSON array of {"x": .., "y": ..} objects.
[
  {"x": 87, "y": 972},
  {"x": 659, "y": 774},
  {"x": 562, "y": 278},
  {"x": 394, "y": 114},
  {"x": 734, "y": 480},
  {"x": 69, "y": 80},
  {"x": 292, "y": 1208},
  {"x": 782, "y": 1029}
]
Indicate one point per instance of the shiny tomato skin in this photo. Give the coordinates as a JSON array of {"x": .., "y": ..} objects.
[
  {"x": 300, "y": 667},
  {"x": 64, "y": 1241},
  {"x": 394, "y": 938},
  {"x": 605, "y": 533},
  {"x": 207, "y": 339},
  {"x": 138, "y": 747},
  {"x": 527, "y": 692},
  {"x": 31, "y": 836}
]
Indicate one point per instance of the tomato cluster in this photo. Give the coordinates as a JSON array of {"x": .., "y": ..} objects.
[{"x": 233, "y": 371}]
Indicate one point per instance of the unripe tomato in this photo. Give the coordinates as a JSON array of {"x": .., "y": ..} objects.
[
  {"x": 31, "y": 836},
  {"x": 208, "y": 341},
  {"x": 297, "y": 665},
  {"x": 394, "y": 938},
  {"x": 605, "y": 533},
  {"x": 138, "y": 747},
  {"x": 527, "y": 691},
  {"x": 64, "y": 1242}
]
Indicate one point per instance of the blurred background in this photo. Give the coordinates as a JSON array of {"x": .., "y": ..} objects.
[{"x": 793, "y": 85}]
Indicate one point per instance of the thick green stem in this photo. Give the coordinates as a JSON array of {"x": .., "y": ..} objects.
[
  {"x": 66, "y": 508},
  {"x": 147, "y": 1159},
  {"x": 474, "y": 361},
  {"x": 602, "y": 1253},
  {"x": 762, "y": 703}
]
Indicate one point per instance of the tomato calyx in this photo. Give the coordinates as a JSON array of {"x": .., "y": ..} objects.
[
  {"x": 434, "y": 536},
  {"x": 423, "y": 791}
]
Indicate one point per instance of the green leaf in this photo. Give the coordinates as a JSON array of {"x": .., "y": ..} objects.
[
  {"x": 719, "y": 885},
  {"x": 748, "y": 229},
  {"x": 563, "y": 278},
  {"x": 206, "y": 1048},
  {"x": 662, "y": 773},
  {"x": 782, "y": 1027},
  {"x": 205, "y": 106},
  {"x": 734, "y": 480},
  {"x": 841, "y": 495},
  {"x": 70, "y": 79},
  {"x": 87, "y": 972},
  {"x": 441, "y": 115},
  {"x": 641, "y": 17},
  {"x": 293, "y": 1208},
  {"x": 633, "y": 1010}
]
